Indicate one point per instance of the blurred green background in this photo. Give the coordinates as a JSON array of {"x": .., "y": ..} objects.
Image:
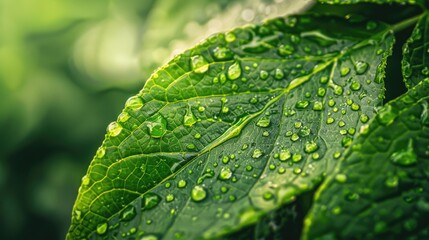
[{"x": 66, "y": 69}]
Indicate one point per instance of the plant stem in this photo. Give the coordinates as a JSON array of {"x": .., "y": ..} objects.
[{"x": 407, "y": 22}]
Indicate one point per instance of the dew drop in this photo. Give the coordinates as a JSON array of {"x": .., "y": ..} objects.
[
  {"x": 101, "y": 151},
  {"x": 222, "y": 53},
  {"x": 149, "y": 237},
  {"x": 181, "y": 184},
  {"x": 157, "y": 126},
  {"x": 321, "y": 92},
  {"x": 406, "y": 156},
  {"x": 267, "y": 196},
  {"x": 344, "y": 71},
  {"x": 338, "y": 90},
  {"x": 198, "y": 194},
  {"x": 263, "y": 74},
  {"x": 391, "y": 181},
  {"x": 234, "y": 71},
  {"x": 330, "y": 120},
  {"x": 263, "y": 122},
  {"x": 360, "y": 67},
  {"x": 134, "y": 103},
  {"x": 310, "y": 147},
  {"x": 169, "y": 197},
  {"x": 324, "y": 79},
  {"x": 302, "y": 104},
  {"x": 150, "y": 200},
  {"x": 285, "y": 50},
  {"x": 294, "y": 137},
  {"x": 128, "y": 213},
  {"x": 230, "y": 37},
  {"x": 296, "y": 157},
  {"x": 225, "y": 173},
  {"x": 284, "y": 155},
  {"x": 318, "y": 106},
  {"x": 257, "y": 153},
  {"x": 346, "y": 142},
  {"x": 102, "y": 228},
  {"x": 199, "y": 64},
  {"x": 114, "y": 129},
  {"x": 197, "y": 136},
  {"x": 123, "y": 117},
  {"x": 278, "y": 74},
  {"x": 355, "y": 86},
  {"x": 341, "y": 178},
  {"x": 364, "y": 118},
  {"x": 85, "y": 180},
  {"x": 386, "y": 116},
  {"x": 355, "y": 107}
]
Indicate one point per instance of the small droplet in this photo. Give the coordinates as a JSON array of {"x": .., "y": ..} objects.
[
  {"x": 355, "y": 86},
  {"x": 285, "y": 50},
  {"x": 344, "y": 71},
  {"x": 134, "y": 103},
  {"x": 234, "y": 71},
  {"x": 85, "y": 180},
  {"x": 222, "y": 53},
  {"x": 102, "y": 228},
  {"x": 304, "y": 131},
  {"x": 257, "y": 153},
  {"x": 263, "y": 74},
  {"x": 336, "y": 210},
  {"x": 338, "y": 90},
  {"x": 330, "y": 120},
  {"x": 201, "y": 109},
  {"x": 310, "y": 147},
  {"x": 197, "y": 136},
  {"x": 263, "y": 122},
  {"x": 230, "y": 37},
  {"x": 346, "y": 142},
  {"x": 114, "y": 129},
  {"x": 267, "y": 196},
  {"x": 150, "y": 200},
  {"x": 101, "y": 151},
  {"x": 321, "y": 92},
  {"x": 123, "y": 117},
  {"x": 225, "y": 173},
  {"x": 294, "y": 137},
  {"x": 296, "y": 157},
  {"x": 199, "y": 64},
  {"x": 360, "y": 67},
  {"x": 341, "y": 178},
  {"x": 355, "y": 107},
  {"x": 391, "y": 181},
  {"x": 425, "y": 71},
  {"x": 181, "y": 184},
  {"x": 169, "y": 197},
  {"x": 318, "y": 106},
  {"x": 364, "y": 118},
  {"x": 331, "y": 102},
  {"x": 198, "y": 193},
  {"x": 278, "y": 74},
  {"x": 324, "y": 79},
  {"x": 302, "y": 104}
]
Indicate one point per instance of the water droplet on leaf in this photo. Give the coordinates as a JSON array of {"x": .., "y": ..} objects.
[
  {"x": 234, "y": 71},
  {"x": 157, "y": 126},
  {"x": 198, "y": 193},
  {"x": 199, "y": 64}
]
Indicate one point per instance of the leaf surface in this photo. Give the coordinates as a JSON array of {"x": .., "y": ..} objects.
[
  {"x": 233, "y": 128},
  {"x": 380, "y": 190},
  {"x": 415, "y": 62}
]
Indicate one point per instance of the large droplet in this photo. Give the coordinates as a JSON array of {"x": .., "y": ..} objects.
[
  {"x": 311, "y": 147},
  {"x": 189, "y": 118},
  {"x": 134, "y": 103},
  {"x": 386, "y": 116},
  {"x": 198, "y": 194},
  {"x": 278, "y": 74},
  {"x": 150, "y": 200},
  {"x": 102, "y": 228},
  {"x": 128, "y": 213},
  {"x": 114, "y": 129},
  {"x": 257, "y": 153},
  {"x": 285, "y": 155},
  {"x": 225, "y": 173},
  {"x": 123, "y": 117},
  {"x": 361, "y": 67},
  {"x": 199, "y": 64},
  {"x": 234, "y": 71},
  {"x": 157, "y": 126},
  {"x": 406, "y": 156},
  {"x": 222, "y": 53}
]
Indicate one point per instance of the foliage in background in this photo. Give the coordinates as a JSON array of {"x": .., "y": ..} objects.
[{"x": 273, "y": 130}]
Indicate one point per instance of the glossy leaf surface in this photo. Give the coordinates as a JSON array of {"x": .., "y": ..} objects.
[
  {"x": 233, "y": 128},
  {"x": 380, "y": 188},
  {"x": 415, "y": 62}
]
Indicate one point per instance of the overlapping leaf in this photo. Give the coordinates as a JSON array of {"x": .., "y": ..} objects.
[
  {"x": 380, "y": 190},
  {"x": 237, "y": 126},
  {"x": 415, "y": 62}
]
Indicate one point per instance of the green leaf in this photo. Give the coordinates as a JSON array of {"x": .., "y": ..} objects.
[
  {"x": 233, "y": 128},
  {"x": 380, "y": 190},
  {"x": 371, "y": 1},
  {"x": 415, "y": 62}
]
